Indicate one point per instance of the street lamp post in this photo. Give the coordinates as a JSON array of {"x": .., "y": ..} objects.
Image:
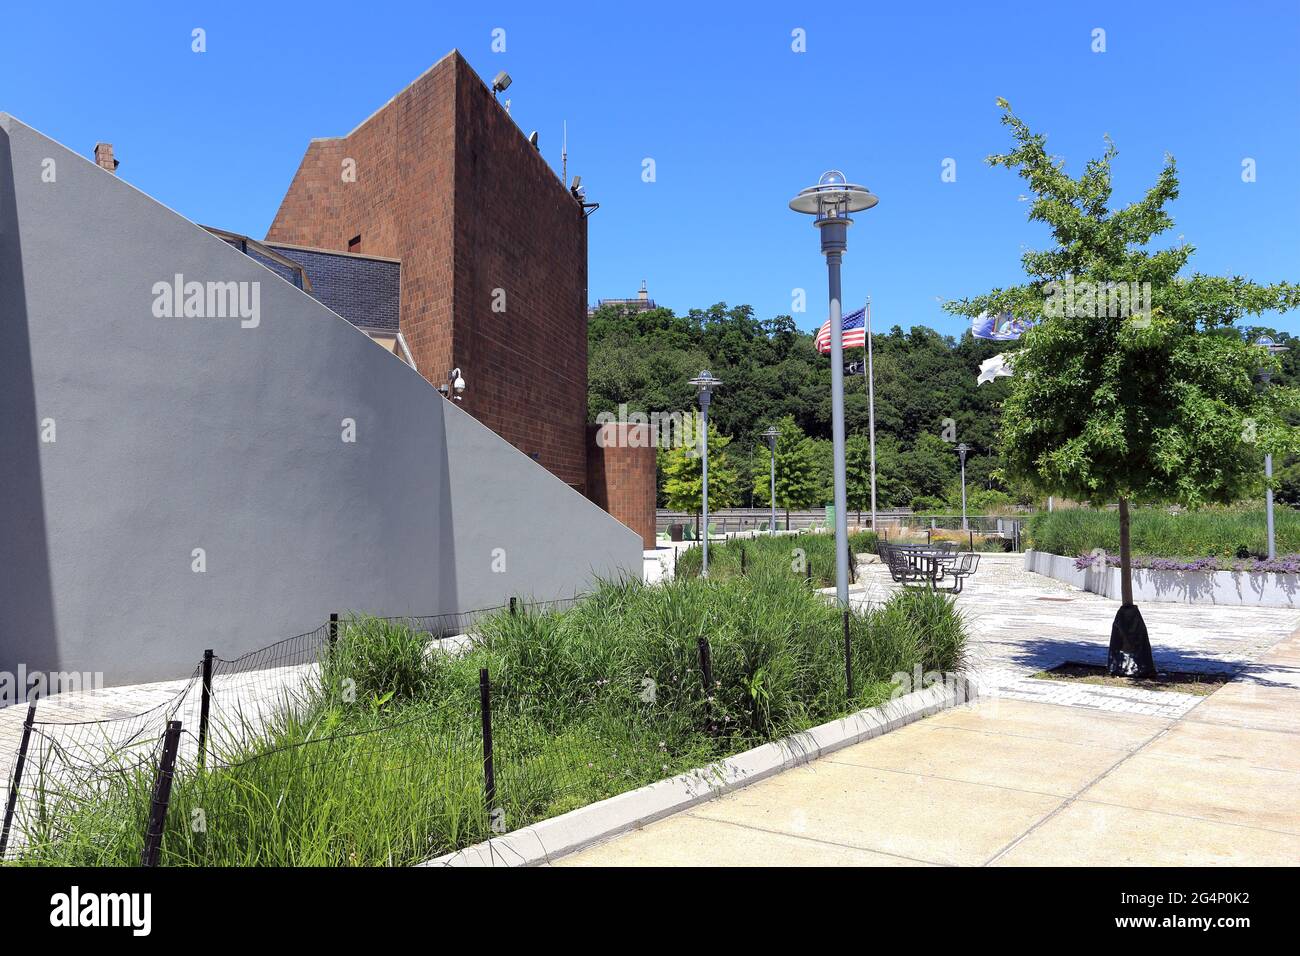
[
  {"x": 962, "y": 449},
  {"x": 704, "y": 384},
  {"x": 831, "y": 201},
  {"x": 1265, "y": 376},
  {"x": 771, "y": 435}
]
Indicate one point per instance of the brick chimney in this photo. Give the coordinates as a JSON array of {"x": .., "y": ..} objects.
[{"x": 104, "y": 157}]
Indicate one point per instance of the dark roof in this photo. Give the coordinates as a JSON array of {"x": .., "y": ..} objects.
[{"x": 364, "y": 290}]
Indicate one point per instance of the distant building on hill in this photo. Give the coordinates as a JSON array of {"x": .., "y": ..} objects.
[{"x": 642, "y": 302}]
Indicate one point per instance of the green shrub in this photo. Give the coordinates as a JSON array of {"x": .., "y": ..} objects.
[
  {"x": 587, "y": 703},
  {"x": 774, "y": 554},
  {"x": 1209, "y": 532},
  {"x": 377, "y": 658}
]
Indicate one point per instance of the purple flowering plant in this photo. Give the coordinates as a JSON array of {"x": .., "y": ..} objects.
[{"x": 1283, "y": 564}]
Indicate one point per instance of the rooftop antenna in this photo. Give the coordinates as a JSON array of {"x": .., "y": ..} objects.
[{"x": 564, "y": 155}]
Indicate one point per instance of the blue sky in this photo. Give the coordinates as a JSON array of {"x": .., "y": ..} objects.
[{"x": 735, "y": 120}]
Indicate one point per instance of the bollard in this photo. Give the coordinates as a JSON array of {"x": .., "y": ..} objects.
[
  {"x": 334, "y": 629},
  {"x": 512, "y": 606}
]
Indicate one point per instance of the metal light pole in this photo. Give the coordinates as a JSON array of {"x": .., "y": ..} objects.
[
  {"x": 1265, "y": 376},
  {"x": 871, "y": 414},
  {"x": 704, "y": 384},
  {"x": 831, "y": 201},
  {"x": 771, "y": 435},
  {"x": 961, "y": 450}
]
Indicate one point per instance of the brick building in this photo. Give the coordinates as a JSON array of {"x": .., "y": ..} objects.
[
  {"x": 621, "y": 474},
  {"x": 492, "y": 249}
]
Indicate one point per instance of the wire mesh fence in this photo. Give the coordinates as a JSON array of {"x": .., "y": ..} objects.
[
  {"x": 372, "y": 741},
  {"x": 264, "y": 726}
]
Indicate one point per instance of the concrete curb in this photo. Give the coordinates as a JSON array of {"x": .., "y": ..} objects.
[
  {"x": 1229, "y": 588},
  {"x": 558, "y": 836}
]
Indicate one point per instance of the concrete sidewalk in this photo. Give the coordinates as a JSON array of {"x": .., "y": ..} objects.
[{"x": 1018, "y": 782}]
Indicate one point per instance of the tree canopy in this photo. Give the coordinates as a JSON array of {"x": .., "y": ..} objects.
[
  {"x": 926, "y": 394},
  {"x": 1147, "y": 395}
]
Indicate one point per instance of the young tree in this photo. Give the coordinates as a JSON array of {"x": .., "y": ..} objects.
[
  {"x": 1132, "y": 384},
  {"x": 857, "y": 473},
  {"x": 683, "y": 473},
  {"x": 797, "y": 482}
]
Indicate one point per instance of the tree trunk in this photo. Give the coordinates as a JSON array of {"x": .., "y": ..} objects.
[
  {"x": 1125, "y": 555},
  {"x": 1130, "y": 646}
]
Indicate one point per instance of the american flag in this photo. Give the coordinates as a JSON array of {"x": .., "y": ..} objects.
[{"x": 854, "y": 332}]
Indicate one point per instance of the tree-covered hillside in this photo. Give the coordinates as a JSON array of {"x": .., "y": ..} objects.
[{"x": 772, "y": 372}]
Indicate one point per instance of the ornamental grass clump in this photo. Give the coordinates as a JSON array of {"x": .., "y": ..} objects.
[
  {"x": 378, "y": 758},
  {"x": 1227, "y": 533},
  {"x": 781, "y": 554}
]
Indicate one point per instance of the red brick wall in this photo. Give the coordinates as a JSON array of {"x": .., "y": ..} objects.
[
  {"x": 448, "y": 184},
  {"x": 621, "y": 476}
]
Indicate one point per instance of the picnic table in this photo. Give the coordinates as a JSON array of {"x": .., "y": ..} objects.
[{"x": 938, "y": 567}]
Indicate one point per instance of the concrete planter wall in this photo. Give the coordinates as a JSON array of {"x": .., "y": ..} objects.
[{"x": 1174, "y": 587}]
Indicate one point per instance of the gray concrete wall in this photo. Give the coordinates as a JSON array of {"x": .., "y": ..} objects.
[{"x": 173, "y": 434}]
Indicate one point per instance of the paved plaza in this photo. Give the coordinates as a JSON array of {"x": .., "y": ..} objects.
[{"x": 1038, "y": 772}]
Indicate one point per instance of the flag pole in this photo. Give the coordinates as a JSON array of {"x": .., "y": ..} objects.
[{"x": 871, "y": 413}]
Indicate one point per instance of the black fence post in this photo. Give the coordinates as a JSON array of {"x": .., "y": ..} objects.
[
  {"x": 17, "y": 781},
  {"x": 162, "y": 792},
  {"x": 513, "y": 610},
  {"x": 742, "y": 559},
  {"x": 848, "y": 658},
  {"x": 204, "y": 705},
  {"x": 485, "y": 707},
  {"x": 706, "y": 666},
  {"x": 334, "y": 629},
  {"x": 706, "y": 678},
  {"x": 807, "y": 571},
  {"x": 853, "y": 568}
]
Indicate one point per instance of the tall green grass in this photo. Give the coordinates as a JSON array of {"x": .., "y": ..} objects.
[
  {"x": 779, "y": 554},
  {"x": 380, "y": 762},
  {"x": 1210, "y": 532}
]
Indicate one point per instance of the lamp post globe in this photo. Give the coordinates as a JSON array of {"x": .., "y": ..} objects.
[
  {"x": 831, "y": 202},
  {"x": 704, "y": 384},
  {"x": 771, "y": 435}
]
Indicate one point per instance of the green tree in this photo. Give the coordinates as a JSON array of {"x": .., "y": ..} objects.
[
  {"x": 929, "y": 467},
  {"x": 1136, "y": 403},
  {"x": 683, "y": 473},
  {"x": 857, "y": 473},
  {"x": 797, "y": 482}
]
